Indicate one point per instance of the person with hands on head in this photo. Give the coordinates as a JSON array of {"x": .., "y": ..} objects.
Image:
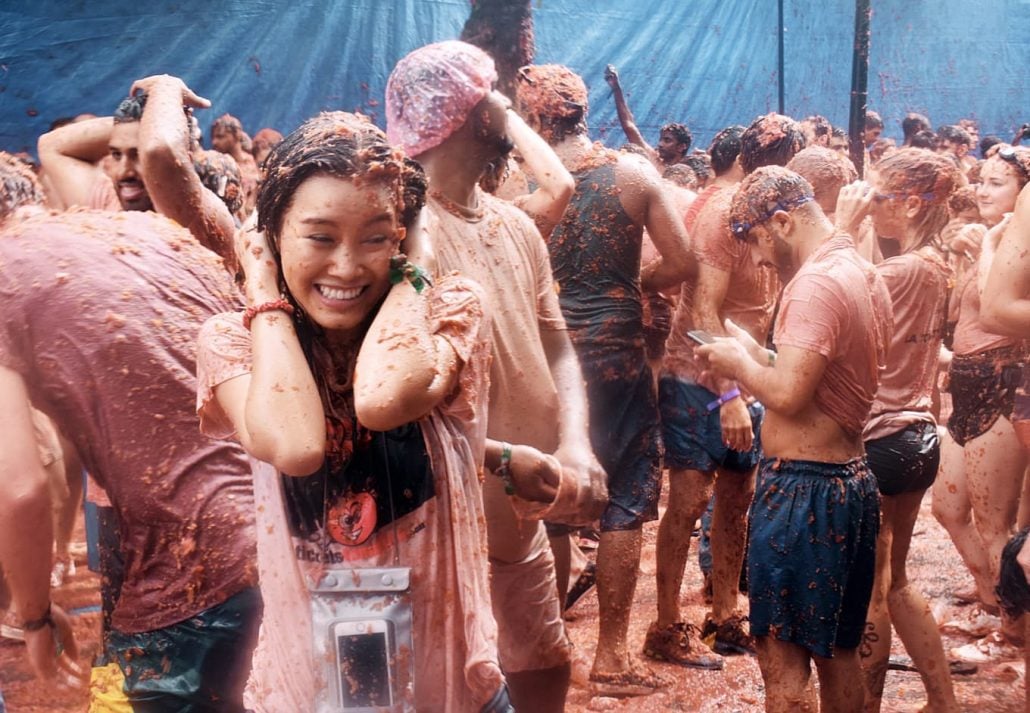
[
  {"x": 148, "y": 142},
  {"x": 814, "y": 520},
  {"x": 547, "y": 203},
  {"x": 357, "y": 383}
]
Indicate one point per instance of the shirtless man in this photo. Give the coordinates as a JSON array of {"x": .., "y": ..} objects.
[
  {"x": 536, "y": 388},
  {"x": 148, "y": 143},
  {"x": 595, "y": 253},
  {"x": 673, "y": 139},
  {"x": 227, "y": 137},
  {"x": 814, "y": 520},
  {"x": 118, "y": 378},
  {"x": 709, "y": 423}
]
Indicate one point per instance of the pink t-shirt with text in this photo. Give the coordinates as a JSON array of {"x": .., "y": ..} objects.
[
  {"x": 918, "y": 286},
  {"x": 838, "y": 306}
]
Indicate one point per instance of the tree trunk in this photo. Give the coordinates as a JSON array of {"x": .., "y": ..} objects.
[{"x": 504, "y": 29}]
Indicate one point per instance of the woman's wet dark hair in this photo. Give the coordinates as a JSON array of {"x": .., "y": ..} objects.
[
  {"x": 341, "y": 145},
  {"x": 725, "y": 148}
]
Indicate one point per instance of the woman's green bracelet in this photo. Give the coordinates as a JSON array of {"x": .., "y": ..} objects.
[{"x": 401, "y": 268}]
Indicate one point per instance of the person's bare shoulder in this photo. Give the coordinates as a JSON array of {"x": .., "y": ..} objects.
[{"x": 638, "y": 182}]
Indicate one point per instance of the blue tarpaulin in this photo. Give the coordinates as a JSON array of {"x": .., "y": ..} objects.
[{"x": 707, "y": 63}]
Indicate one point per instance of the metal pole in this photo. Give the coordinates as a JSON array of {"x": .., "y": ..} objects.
[
  {"x": 859, "y": 83},
  {"x": 779, "y": 56}
]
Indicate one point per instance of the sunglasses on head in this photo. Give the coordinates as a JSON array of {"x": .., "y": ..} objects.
[
  {"x": 740, "y": 229},
  {"x": 1008, "y": 154}
]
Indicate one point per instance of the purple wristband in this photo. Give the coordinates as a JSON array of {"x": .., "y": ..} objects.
[{"x": 728, "y": 396}]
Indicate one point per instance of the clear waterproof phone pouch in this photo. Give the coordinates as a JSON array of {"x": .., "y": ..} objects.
[{"x": 361, "y": 619}]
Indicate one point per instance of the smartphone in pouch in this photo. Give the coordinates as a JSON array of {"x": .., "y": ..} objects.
[
  {"x": 364, "y": 662},
  {"x": 701, "y": 336}
]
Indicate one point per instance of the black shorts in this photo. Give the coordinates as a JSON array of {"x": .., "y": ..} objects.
[
  {"x": 625, "y": 432},
  {"x": 906, "y": 461},
  {"x": 983, "y": 389}
]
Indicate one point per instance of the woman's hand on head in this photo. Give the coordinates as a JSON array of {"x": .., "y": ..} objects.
[{"x": 853, "y": 204}]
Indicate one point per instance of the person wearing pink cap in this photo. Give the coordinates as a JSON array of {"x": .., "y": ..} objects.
[{"x": 442, "y": 110}]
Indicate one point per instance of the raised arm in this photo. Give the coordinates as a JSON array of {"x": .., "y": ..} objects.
[
  {"x": 275, "y": 409},
  {"x": 1005, "y": 298},
  {"x": 629, "y": 124},
  {"x": 70, "y": 154},
  {"x": 403, "y": 369},
  {"x": 168, "y": 174},
  {"x": 646, "y": 200},
  {"x": 555, "y": 186}
]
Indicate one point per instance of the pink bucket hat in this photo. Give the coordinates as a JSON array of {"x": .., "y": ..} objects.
[{"x": 431, "y": 92}]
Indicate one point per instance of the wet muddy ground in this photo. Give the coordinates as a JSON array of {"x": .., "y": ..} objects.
[{"x": 934, "y": 566}]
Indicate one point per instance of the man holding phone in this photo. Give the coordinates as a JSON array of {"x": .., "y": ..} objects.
[{"x": 815, "y": 517}]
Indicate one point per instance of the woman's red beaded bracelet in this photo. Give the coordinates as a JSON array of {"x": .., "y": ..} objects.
[{"x": 279, "y": 305}]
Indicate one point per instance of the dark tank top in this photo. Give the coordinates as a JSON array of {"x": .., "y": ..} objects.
[{"x": 595, "y": 257}]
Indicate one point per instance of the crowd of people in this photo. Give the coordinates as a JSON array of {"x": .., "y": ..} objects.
[{"x": 347, "y": 402}]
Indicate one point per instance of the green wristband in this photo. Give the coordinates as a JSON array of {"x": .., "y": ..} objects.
[
  {"x": 401, "y": 268},
  {"x": 504, "y": 469}
]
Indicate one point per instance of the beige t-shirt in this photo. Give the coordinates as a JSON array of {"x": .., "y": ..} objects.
[
  {"x": 918, "y": 286},
  {"x": 502, "y": 250}
]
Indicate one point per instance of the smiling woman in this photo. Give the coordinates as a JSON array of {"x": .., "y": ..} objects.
[{"x": 357, "y": 387}]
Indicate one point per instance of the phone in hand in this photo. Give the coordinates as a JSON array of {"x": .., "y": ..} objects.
[
  {"x": 364, "y": 663},
  {"x": 701, "y": 336}
]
